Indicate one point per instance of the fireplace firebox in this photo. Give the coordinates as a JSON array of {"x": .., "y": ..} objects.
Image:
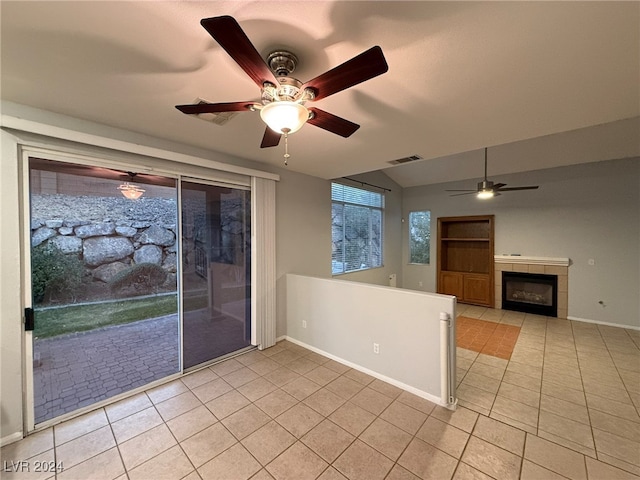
[{"x": 535, "y": 293}]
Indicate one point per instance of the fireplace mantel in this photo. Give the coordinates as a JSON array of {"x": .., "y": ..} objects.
[{"x": 521, "y": 259}]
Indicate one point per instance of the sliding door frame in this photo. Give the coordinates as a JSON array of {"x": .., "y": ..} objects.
[
  {"x": 252, "y": 321},
  {"x": 27, "y": 299},
  {"x": 126, "y": 161}
]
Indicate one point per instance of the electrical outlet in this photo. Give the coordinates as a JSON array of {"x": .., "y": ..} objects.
[
  {"x": 376, "y": 348},
  {"x": 419, "y": 284},
  {"x": 304, "y": 324}
]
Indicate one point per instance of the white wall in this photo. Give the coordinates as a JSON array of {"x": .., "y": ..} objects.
[
  {"x": 344, "y": 319},
  {"x": 303, "y": 206},
  {"x": 589, "y": 211},
  {"x": 303, "y": 233}
]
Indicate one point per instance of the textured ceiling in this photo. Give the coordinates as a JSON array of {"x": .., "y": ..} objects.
[{"x": 462, "y": 76}]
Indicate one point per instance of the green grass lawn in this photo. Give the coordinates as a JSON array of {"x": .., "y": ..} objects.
[{"x": 78, "y": 318}]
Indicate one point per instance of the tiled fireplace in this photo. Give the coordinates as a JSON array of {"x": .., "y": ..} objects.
[{"x": 535, "y": 265}]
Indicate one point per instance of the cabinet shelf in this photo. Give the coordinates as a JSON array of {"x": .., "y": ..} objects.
[
  {"x": 479, "y": 272},
  {"x": 465, "y": 258},
  {"x": 453, "y": 239}
]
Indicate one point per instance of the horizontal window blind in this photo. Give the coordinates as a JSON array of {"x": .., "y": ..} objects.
[
  {"x": 356, "y": 196},
  {"x": 356, "y": 229}
]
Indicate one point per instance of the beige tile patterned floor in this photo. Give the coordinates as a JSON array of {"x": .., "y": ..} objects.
[{"x": 565, "y": 406}]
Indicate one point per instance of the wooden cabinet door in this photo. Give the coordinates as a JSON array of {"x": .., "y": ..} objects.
[
  {"x": 451, "y": 284},
  {"x": 477, "y": 289}
]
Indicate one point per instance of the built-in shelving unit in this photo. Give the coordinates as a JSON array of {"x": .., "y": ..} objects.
[{"x": 465, "y": 258}]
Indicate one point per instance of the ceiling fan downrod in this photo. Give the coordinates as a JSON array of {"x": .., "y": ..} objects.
[
  {"x": 485, "y": 164},
  {"x": 286, "y": 146}
]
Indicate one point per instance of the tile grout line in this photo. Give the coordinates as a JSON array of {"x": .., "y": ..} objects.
[
  {"x": 378, "y": 416},
  {"x": 466, "y": 445},
  {"x": 174, "y": 437},
  {"x": 586, "y": 401},
  {"x": 356, "y": 437},
  {"x": 615, "y": 365},
  {"x": 618, "y": 371},
  {"x": 414, "y": 436},
  {"x": 544, "y": 355},
  {"x": 115, "y": 439},
  {"x": 55, "y": 450},
  {"x": 527, "y": 434}
]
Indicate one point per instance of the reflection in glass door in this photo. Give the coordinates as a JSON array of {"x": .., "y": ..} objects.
[
  {"x": 104, "y": 283},
  {"x": 216, "y": 271}
]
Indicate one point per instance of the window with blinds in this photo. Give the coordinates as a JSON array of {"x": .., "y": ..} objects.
[{"x": 356, "y": 229}]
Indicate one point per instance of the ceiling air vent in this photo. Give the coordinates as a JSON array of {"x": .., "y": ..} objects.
[
  {"x": 411, "y": 158},
  {"x": 218, "y": 118}
]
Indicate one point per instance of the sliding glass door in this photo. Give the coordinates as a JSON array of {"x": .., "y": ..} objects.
[
  {"x": 216, "y": 271},
  {"x": 104, "y": 283},
  {"x": 133, "y": 277}
]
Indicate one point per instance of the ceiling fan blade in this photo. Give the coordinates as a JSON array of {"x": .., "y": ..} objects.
[
  {"x": 332, "y": 123},
  {"x": 197, "y": 108},
  {"x": 513, "y": 189},
  {"x": 227, "y": 32},
  {"x": 360, "y": 68},
  {"x": 270, "y": 138},
  {"x": 458, "y": 194},
  {"x": 462, "y": 190},
  {"x": 499, "y": 185}
]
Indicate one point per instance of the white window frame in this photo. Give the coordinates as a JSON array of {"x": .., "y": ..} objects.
[
  {"x": 412, "y": 261},
  {"x": 370, "y": 246}
]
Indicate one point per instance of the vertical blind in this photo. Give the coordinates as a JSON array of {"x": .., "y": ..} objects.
[{"x": 263, "y": 262}]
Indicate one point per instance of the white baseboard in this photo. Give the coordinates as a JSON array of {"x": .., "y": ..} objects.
[
  {"x": 403, "y": 386},
  {"x": 14, "y": 437},
  {"x": 608, "y": 324}
]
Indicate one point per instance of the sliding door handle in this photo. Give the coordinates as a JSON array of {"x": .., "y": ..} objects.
[{"x": 29, "y": 319}]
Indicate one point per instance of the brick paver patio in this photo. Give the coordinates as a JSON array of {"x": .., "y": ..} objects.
[{"x": 79, "y": 369}]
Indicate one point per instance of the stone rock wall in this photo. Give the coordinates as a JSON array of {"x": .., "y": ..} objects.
[{"x": 108, "y": 234}]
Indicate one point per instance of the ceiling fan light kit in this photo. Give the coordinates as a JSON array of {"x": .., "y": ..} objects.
[
  {"x": 485, "y": 194},
  {"x": 131, "y": 191},
  {"x": 282, "y": 103},
  {"x": 284, "y": 116}
]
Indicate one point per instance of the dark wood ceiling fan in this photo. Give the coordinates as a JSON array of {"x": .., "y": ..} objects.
[
  {"x": 488, "y": 189},
  {"x": 278, "y": 89}
]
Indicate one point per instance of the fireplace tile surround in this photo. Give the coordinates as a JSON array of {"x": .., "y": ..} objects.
[{"x": 546, "y": 265}]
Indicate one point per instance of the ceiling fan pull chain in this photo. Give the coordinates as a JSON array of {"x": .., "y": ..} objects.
[{"x": 286, "y": 146}]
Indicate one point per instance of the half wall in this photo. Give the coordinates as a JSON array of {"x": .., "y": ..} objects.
[{"x": 344, "y": 320}]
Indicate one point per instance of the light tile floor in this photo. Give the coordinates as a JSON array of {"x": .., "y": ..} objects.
[{"x": 564, "y": 406}]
